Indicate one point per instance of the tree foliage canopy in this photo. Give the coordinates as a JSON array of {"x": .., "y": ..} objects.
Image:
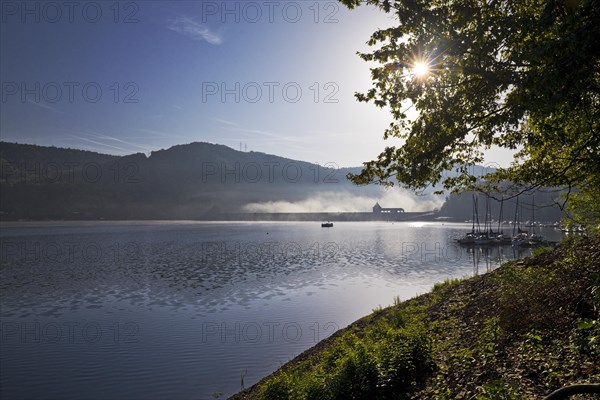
[{"x": 516, "y": 74}]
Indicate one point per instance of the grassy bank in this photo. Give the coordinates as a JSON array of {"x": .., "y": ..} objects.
[{"x": 519, "y": 332}]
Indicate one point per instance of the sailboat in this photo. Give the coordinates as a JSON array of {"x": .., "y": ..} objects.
[
  {"x": 499, "y": 236},
  {"x": 519, "y": 236},
  {"x": 485, "y": 237},
  {"x": 469, "y": 238},
  {"x": 523, "y": 238},
  {"x": 534, "y": 238}
]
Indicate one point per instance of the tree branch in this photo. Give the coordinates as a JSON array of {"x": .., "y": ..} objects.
[{"x": 567, "y": 391}]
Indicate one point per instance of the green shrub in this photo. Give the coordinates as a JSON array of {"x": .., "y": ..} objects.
[
  {"x": 386, "y": 362},
  {"x": 278, "y": 388},
  {"x": 498, "y": 390},
  {"x": 446, "y": 284}
]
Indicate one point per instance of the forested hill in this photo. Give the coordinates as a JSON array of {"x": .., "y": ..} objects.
[
  {"x": 188, "y": 182},
  {"x": 181, "y": 182}
]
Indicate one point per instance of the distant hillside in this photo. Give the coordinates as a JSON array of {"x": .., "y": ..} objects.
[
  {"x": 200, "y": 180},
  {"x": 182, "y": 182}
]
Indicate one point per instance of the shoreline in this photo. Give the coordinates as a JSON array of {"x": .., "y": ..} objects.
[
  {"x": 538, "y": 329},
  {"x": 266, "y": 217}
]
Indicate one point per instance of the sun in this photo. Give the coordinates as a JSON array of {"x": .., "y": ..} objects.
[{"x": 420, "y": 69}]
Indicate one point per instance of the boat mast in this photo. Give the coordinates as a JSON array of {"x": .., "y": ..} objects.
[
  {"x": 487, "y": 225},
  {"x": 521, "y": 216},
  {"x": 473, "y": 216},
  {"x": 501, "y": 215},
  {"x": 477, "y": 214},
  {"x": 533, "y": 215},
  {"x": 516, "y": 225}
]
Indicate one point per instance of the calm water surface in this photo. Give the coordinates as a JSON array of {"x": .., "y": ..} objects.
[{"x": 189, "y": 310}]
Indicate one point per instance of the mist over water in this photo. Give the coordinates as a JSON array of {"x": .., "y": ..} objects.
[{"x": 348, "y": 202}]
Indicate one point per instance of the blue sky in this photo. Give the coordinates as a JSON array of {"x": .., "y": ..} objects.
[{"x": 138, "y": 76}]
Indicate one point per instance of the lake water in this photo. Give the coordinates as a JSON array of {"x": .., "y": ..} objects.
[{"x": 195, "y": 310}]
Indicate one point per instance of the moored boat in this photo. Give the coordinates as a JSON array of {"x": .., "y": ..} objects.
[{"x": 524, "y": 238}]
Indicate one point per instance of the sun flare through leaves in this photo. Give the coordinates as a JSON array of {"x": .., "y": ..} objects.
[{"x": 421, "y": 69}]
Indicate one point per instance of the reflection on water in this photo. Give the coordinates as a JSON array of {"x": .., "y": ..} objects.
[
  {"x": 183, "y": 310},
  {"x": 486, "y": 258}
]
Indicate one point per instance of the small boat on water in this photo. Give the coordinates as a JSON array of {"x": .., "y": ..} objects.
[
  {"x": 327, "y": 225},
  {"x": 468, "y": 239}
]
